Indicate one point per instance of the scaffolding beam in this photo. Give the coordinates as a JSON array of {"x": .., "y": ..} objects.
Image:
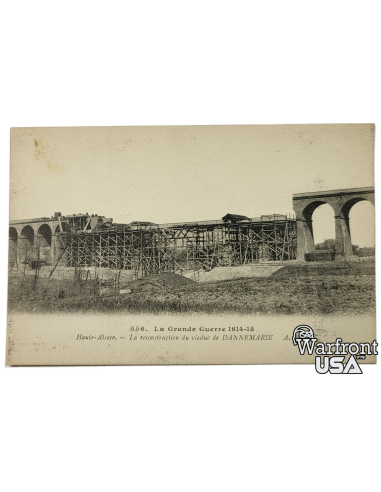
[{"x": 181, "y": 247}]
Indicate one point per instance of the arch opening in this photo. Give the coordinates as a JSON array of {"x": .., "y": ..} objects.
[
  {"x": 323, "y": 221},
  {"x": 62, "y": 241},
  {"x": 13, "y": 240},
  {"x": 361, "y": 220},
  {"x": 338, "y": 232},
  {"x": 311, "y": 207},
  {"x": 44, "y": 242},
  {"x": 27, "y": 251}
]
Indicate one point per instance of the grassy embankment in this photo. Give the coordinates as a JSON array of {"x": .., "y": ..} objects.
[{"x": 319, "y": 289}]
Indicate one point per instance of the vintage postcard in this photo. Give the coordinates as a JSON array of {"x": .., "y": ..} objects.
[{"x": 245, "y": 244}]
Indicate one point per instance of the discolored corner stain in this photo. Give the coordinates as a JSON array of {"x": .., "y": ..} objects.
[
  {"x": 55, "y": 168},
  {"x": 39, "y": 149},
  {"x": 41, "y": 153},
  {"x": 319, "y": 183}
]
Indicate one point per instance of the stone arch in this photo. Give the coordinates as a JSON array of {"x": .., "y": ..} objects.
[
  {"x": 309, "y": 209},
  {"x": 13, "y": 234},
  {"x": 13, "y": 247},
  {"x": 27, "y": 243},
  {"x": 60, "y": 242},
  {"x": 323, "y": 226},
  {"x": 304, "y": 212},
  {"x": 347, "y": 206},
  {"x": 344, "y": 215},
  {"x": 343, "y": 234},
  {"x": 341, "y": 201},
  {"x": 27, "y": 233},
  {"x": 44, "y": 239}
]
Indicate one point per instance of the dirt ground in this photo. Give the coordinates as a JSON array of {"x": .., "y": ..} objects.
[
  {"x": 235, "y": 272},
  {"x": 322, "y": 289}
]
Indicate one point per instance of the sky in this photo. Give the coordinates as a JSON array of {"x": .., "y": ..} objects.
[{"x": 187, "y": 173}]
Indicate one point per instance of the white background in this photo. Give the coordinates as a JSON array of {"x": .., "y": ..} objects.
[
  {"x": 189, "y": 58},
  {"x": 199, "y": 57},
  {"x": 190, "y": 434}
]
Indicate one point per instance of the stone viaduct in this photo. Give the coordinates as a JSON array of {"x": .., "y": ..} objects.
[
  {"x": 341, "y": 201},
  {"x": 34, "y": 239}
]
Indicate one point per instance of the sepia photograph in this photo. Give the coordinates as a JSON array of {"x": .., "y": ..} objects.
[
  {"x": 197, "y": 230},
  {"x": 190, "y": 273}
]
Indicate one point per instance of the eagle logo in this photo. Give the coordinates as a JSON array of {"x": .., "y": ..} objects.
[{"x": 304, "y": 331}]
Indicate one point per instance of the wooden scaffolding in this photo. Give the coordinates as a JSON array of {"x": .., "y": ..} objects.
[{"x": 180, "y": 247}]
